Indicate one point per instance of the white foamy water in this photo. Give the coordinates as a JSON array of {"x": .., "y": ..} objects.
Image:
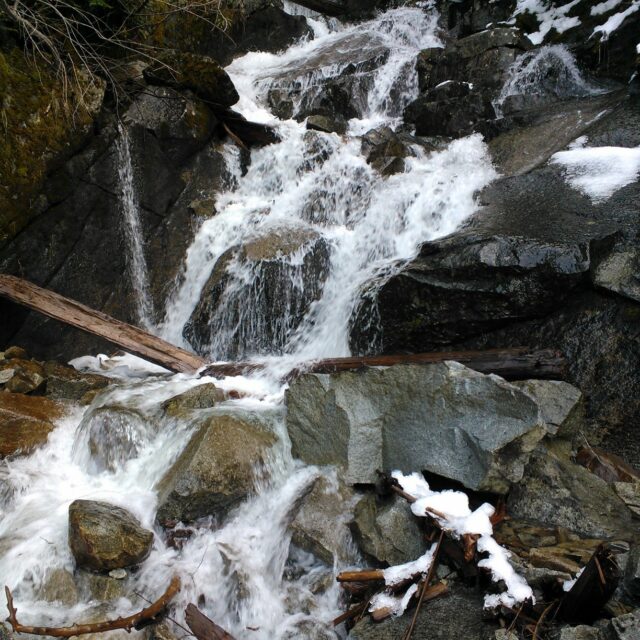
[
  {"x": 321, "y": 183},
  {"x": 132, "y": 230},
  {"x": 547, "y": 73},
  {"x": 241, "y": 570}
]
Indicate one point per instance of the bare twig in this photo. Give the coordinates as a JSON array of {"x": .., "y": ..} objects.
[
  {"x": 424, "y": 587},
  {"x": 127, "y": 623}
]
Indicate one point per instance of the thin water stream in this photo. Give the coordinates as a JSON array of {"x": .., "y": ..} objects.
[{"x": 241, "y": 570}]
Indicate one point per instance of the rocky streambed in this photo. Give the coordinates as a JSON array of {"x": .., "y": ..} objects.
[{"x": 407, "y": 177}]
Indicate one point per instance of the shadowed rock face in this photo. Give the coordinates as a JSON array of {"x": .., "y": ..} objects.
[
  {"x": 442, "y": 418},
  {"x": 104, "y": 537}
]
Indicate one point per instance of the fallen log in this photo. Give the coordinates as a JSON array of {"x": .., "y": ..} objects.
[
  {"x": 126, "y": 336},
  {"x": 332, "y": 8},
  {"x": 204, "y": 628},
  {"x": 511, "y": 364},
  {"x": 128, "y": 623}
]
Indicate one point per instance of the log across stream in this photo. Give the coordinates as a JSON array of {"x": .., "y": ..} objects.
[{"x": 511, "y": 364}]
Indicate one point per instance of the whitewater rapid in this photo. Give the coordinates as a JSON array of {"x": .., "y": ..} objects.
[{"x": 235, "y": 569}]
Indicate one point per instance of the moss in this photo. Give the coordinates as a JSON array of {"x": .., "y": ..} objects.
[{"x": 38, "y": 126}]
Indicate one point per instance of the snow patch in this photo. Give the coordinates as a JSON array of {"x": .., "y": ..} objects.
[
  {"x": 615, "y": 21},
  {"x": 456, "y": 518},
  {"x": 548, "y": 17},
  {"x": 599, "y": 172},
  {"x": 604, "y": 7}
]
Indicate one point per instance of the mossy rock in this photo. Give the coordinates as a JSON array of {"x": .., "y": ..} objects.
[
  {"x": 201, "y": 74},
  {"x": 40, "y": 126}
]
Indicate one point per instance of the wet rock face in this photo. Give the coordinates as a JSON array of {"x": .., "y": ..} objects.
[
  {"x": 104, "y": 537},
  {"x": 25, "y": 422},
  {"x": 442, "y": 418},
  {"x": 114, "y": 435},
  {"x": 203, "y": 396},
  {"x": 300, "y": 91},
  {"x": 465, "y": 285},
  {"x": 216, "y": 470},
  {"x": 200, "y": 74},
  {"x": 289, "y": 265},
  {"x": 182, "y": 124},
  {"x": 252, "y": 25},
  {"x": 321, "y": 525},
  {"x": 459, "y": 83}
]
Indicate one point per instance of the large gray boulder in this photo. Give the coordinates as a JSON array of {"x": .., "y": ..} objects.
[
  {"x": 559, "y": 493},
  {"x": 321, "y": 525},
  {"x": 625, "y": 627},
  {"x": 444, "y": 418},
  {"x": 455, "y": 617},
  {"x": 561, "y": 404},
  {"x": 290, "y": 266},
  {"x": 104, "y": 537},
  {"x": 217, "y": 468}
]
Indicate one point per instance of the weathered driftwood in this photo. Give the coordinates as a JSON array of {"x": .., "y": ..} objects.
[
  {"x": 327, "y": 7},
  {"x": 512, "y": 364},
  {"x": 204, "y": 628},
  {"x": 126, "y": 336},
  {"x": 592, "y": 590},
  {"x": 128, "y": 623}
]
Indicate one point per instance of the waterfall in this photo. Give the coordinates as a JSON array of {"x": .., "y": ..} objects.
[
  {"x": 322, "y": 184},
  {"x": 547, "y": 73},
  {"x": 136, "y": 262},
  {"x": 310, "y": 224}
]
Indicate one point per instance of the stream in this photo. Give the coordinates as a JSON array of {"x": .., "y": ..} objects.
[{"x": 242, "y": 571}]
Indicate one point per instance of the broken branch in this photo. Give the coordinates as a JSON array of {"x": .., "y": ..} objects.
[{"x": 128, "y": 623}]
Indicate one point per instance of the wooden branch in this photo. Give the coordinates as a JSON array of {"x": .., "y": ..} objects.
[
  {"x": 126, "y": 336},
  {"x": 424, "y": 586},
  {"x": 128, "y": 623},
  {"x": 511, "y": 364},
  {"x": 436, "y": 591},
  {"x": 351, "y": 613},
  {"x": 204, "y": 628},
  {"x": 366, "y": 575},
  {"x": 591, "y": 591}
]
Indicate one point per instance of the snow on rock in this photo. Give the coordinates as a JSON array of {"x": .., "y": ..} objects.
[
  {"x": 395, "y": 575},
  {"x": 549, "y": 17},
  {"x": 599, "y": 172},
  {"x": 615, "y": 21},
  {"x": 397, "y": 604},
  {"x": 604, "y": 7},
  {"x": 457, "y": 519}
]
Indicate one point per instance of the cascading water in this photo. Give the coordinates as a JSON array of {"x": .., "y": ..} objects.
[
  {"x": 132, "y": 230},
  {"x": 323, "y": 184},
  {"x": 545, "y": 74},
  {"x": 313, "y": 186}
]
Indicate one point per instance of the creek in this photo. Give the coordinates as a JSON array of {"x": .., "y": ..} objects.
[{"x": 242, "y": 570}]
